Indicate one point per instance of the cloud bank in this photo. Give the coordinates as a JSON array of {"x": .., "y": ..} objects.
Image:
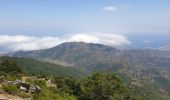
[{"x": 26, "y": 43}]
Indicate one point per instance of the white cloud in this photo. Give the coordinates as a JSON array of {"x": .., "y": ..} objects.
[
  {"x": 110, "y": 8},
  {"x": 123, "y": 7},
  {"x": 14, "y": 39},
  {"x": 21, "y": 42},
  {"x": 112, "y": 39},
  {"x": 84, "y": 37}
]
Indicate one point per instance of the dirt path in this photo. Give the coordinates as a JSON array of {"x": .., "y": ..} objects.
[{"x": 9, "y": 97}]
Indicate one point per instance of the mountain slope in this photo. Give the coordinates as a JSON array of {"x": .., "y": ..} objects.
[{"x": 32, "y": 66}]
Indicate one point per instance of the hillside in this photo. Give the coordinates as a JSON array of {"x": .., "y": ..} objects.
[
  {"x": 147, "y": 70},
  {"x": 15, "y": 84},
  {"x": 34, "y": 67}
]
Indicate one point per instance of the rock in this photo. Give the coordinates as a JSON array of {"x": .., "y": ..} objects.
[
  {"x": 29, "y": 88},
  {"x": 2, "y": 92},
  {"x": 1, "y": 79},
  {"x": 21, "y": 85}
]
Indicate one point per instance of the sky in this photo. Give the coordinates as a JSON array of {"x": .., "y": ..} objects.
[{"x": 24, "y": 24}]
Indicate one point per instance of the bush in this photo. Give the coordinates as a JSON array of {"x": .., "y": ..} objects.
[
  {"x": 40, "y": 83},
  {"x": 23, "y": 95},
  {"x": 103, "y": 86},
  {"x": 66, "y": 84},
  {"x": 98, "y": 86},
  {"x": 10, "y": 89}
]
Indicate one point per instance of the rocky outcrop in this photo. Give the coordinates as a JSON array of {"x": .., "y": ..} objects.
[{"x": 28, "y": 88}]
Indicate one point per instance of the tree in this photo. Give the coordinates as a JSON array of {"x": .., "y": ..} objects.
[{"x": 103, "y": 86}]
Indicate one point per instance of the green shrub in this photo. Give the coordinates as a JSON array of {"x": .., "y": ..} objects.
[
  {"x": 10, "y": 77},
  {"x": 23, "y": 95},
  {"x": 103, "y": 86},
  {"x": 98, "y": 86},
  {"x": 10, "y": 89},
  {"x": 40, "y": 83}
]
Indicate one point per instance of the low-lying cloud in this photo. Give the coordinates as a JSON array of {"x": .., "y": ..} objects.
[{"x": 26, "y": 43}]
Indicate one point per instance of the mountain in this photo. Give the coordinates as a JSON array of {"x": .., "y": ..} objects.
[
  {"x": 146, "y": 70},
  {"x": 78, "y": 54}
]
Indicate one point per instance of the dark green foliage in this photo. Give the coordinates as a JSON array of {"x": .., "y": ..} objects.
[
  {"x": 98, "y": 86},
  {"x": 103, "y": 86},
  {"x": 9, "y": 66},
  {"x": 35, "y": 67},
  {"x": 65, "y": 84}
]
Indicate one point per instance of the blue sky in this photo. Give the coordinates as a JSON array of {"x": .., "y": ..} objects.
[{"x": 136, "y": 20}]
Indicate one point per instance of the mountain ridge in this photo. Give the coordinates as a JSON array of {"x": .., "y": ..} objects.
[{"x": 71, "y": 52}]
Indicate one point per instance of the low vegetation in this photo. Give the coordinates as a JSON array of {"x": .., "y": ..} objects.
[{"x": 97, "y": 86}]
